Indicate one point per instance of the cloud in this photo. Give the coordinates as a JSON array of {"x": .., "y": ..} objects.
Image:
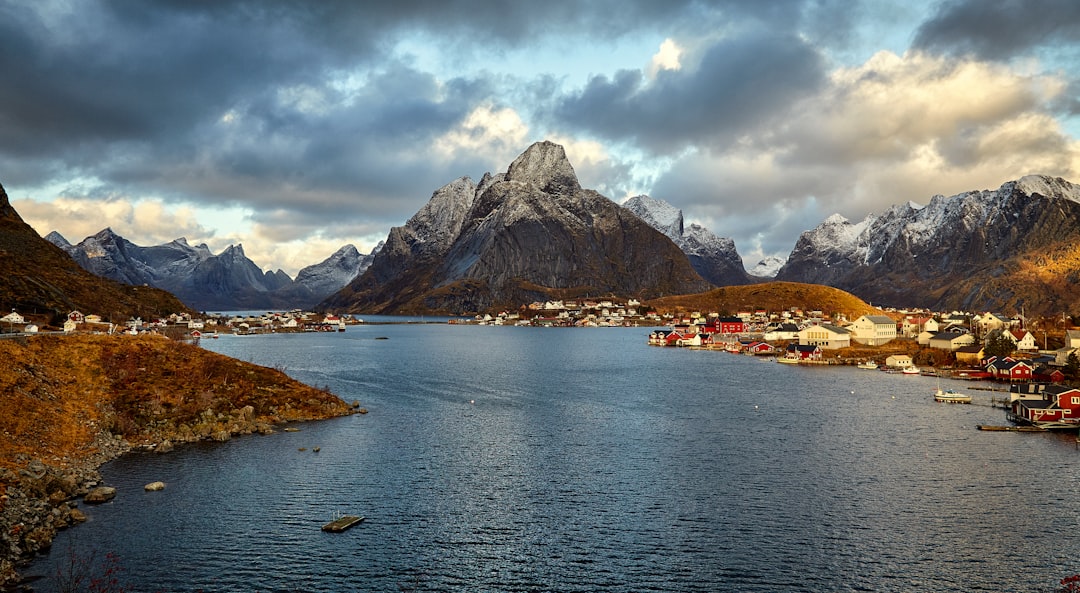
[
  {"x": 892, "y": 130},
  {"x": 999, "y": 29},
  {"x": 141, "y": 222},
  {"x": 737, "y": 84},
  {"x": 667, "y": 58}
]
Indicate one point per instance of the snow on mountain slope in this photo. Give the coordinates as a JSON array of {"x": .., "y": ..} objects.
[{"x": 714, "y": 257}]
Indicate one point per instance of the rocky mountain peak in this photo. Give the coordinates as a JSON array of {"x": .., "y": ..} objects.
[
  {"x": 1047, "y": 186},
  {"x": 713, "y": 257},
  {"x": 545, "y": 166},
  {"x": 530, "y": 234},
  {"x": 967, "y": 251},
  {"x": 660, "y": 215},
  {"x": 57, "y": 239},
  {"x": 6, "y": 211}
]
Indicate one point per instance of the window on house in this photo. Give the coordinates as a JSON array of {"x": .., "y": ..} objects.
[{"x": 1076, "y": 400}]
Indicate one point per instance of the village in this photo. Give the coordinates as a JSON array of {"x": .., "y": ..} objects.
[
  {"x": 984, "y": 346},
  {"x": 185, "y": 325}
]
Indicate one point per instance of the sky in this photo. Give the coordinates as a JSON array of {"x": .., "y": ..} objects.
[{"x": 295, "y": 127}]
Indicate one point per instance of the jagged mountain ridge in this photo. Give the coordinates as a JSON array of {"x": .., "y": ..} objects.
[
  {"x": 715, "y": 258},
  {"x": 204, "y": 281},
  {"x": 528, "y": 234},
  {"x": 38, "y": 277},
  {"x": 1010, "y": 248}
]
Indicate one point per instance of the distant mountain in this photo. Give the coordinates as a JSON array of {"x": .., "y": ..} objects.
[
  {"x": 38, "y": 277},
  {"x": 531, "y": 233},
  {"x": 1005, "y": 250},
  {"x": 713, "y": 257},
  {"x": 767, "y": 267},
  {"x": 227, "y": 281},
  {"x": 318, "y": 281}
]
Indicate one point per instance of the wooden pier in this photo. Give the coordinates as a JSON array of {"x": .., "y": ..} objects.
[
  {"x": 342, "y": 523},
  {"x": 1010, "y": 428}
]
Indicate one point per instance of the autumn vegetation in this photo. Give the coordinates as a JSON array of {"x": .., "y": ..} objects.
[
  {"x": 61, "y": 391},
  {"x": 768, "y": 296}
]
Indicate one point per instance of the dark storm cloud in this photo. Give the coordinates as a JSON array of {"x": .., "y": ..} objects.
[
  {"x": 739, "y": 83},
  {"x": 999, "y": 29}
]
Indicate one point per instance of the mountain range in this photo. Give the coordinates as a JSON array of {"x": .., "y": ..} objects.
[
  {"x": 531, "y": 233},
  {"x": 38, "y": 278},
  {"x": 1016, "y": 248},
  {"x": 208, "y": 282}
]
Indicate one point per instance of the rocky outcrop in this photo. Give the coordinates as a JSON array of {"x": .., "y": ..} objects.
[
  {"x": 531, "y": 233},
  {"x": 973, "y": 251}
]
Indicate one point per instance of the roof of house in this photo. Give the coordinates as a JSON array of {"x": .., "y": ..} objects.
[{"x": 884, "y": 319}]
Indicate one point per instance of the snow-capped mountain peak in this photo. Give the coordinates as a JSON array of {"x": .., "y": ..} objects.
[{"x": 713, "y": 257}]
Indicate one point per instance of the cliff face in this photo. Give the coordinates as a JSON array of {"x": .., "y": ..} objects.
[
  {"x": 1011, "y": 248},
  {"x": 529, "y": 234}
]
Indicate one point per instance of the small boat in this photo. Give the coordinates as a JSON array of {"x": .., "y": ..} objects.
[
  {"x": 910, "y": 370},
  {"x": 868, "y": 365},
  {"x": 951, "y": 397},
  {"x": 342, "y": 523}
]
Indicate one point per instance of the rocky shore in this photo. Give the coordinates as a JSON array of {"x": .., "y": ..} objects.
[{"x": 75, "y": 407}]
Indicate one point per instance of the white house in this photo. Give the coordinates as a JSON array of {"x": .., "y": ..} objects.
[
  {"x": 13, "y": 317},
  {"x": 898, "y": 361},
  {"x": 781, "y": 332},
  {"x": 951, "y": 341},
  {"x": 70, "y": 325},
  {"x": 873, "y": 330},
  {"x": 913, "y": 326},
  {"x": 827, "y": 337}
]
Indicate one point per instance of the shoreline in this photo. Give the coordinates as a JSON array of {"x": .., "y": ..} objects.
[
  {"x": 82, "y": 402},
  {"x": 44, "y": 499}
]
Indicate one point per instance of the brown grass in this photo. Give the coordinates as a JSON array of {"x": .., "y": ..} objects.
[
  {"x": 769, "y": 296},
  {"x": 59, "y": 392}
]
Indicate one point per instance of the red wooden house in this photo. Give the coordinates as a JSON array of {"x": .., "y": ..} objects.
[
  {"x": 801, "y": 352},
  {"x": 1010, "y": 370},
  {"x": 1060, "y": 406},
  {"x": 760, "y": 348},
  {"x": 726, "y": 325}
]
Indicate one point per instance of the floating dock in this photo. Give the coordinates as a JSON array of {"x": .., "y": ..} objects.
[
  {"x": 342, "y": 523},
  {"x": 1011, "y": 428}
]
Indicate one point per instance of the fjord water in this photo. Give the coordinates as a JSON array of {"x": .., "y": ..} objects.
[{"x": 526, "y": 459}]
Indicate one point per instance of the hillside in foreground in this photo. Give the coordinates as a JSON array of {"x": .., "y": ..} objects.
[
  {"x": 768, "y": 296},
  {"x": 73, "y": 402}
]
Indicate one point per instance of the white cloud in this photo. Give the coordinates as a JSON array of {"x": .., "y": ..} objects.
[
  {"x": 498, "y": 133},
  {"x": 666, "y": 58},
  {"x": 143, "y": 222},
  {"x": 892, "y": 130}
]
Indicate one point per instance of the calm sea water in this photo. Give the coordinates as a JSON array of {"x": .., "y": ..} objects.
[{"x": 524, "y": 459}]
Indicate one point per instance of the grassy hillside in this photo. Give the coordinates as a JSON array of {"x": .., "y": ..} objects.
[
  {"x": 61, "y": 391},
  {"x": 770, "y": 296}
]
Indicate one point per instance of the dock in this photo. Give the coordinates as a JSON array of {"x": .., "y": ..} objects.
[
  {"x": 1010, "y": 428},
  {"x": 342, "y": 523}
]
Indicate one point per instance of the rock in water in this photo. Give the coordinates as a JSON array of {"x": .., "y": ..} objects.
[{"x": 100, "y": 494}]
